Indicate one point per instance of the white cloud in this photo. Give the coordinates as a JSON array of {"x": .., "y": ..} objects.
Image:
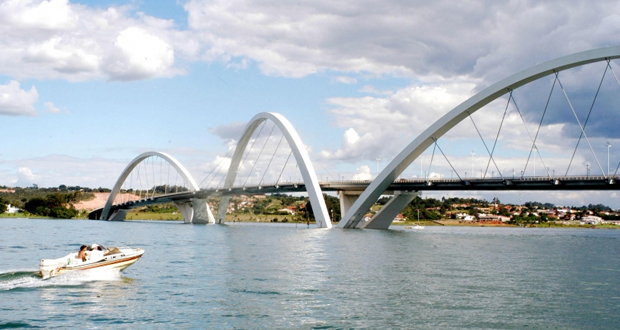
[
  {"x": 363, "y": 173},
  {"x": 54, "y": 170},
  {"x": 486, "y": 38},
  {"x": 50, "y": 107},
  {"x": 60, "y": 40},
  {"x": 380, "y": 127},
  {"x": 25, "y": 177},
  {"x": 346, "y": 80},
  {"x": 143, "y": 56},
  {"x": 372, "y": 90},
  {"x": 15, "y": 101}
]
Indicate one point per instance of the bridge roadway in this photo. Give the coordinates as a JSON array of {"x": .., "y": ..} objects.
[{"x": 467, "y": 184}]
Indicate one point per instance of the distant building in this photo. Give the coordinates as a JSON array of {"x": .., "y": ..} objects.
[
  {"x": 592, "y": 219},
  {"x": 289, "y": 209},
  {"x": 400, "y": 218},
  {"x": 12, "y": 209}
]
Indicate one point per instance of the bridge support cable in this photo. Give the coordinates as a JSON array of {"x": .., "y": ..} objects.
[
  {"x": 581, "y": 126},
  {"x": 447, "y": 160},
  {"x": 270, "y": 160},
  {"x": 444, "y": 124},
  {"x": 540, "y": 125},
  {"x": 259, "y": 154},
  {"x": 283, "y": 167},
  {"x": 215, "y": 170},
  {"x": 110, "y": 211},
  {"x": 430, "y": 164},
  {"x": 585, "y": 123},
  {"x": 486, "y": 170},
  {"x": 301, "y": 155},
  {"x": 485, "y": 146},
  {"x": 534, "y": 147}
]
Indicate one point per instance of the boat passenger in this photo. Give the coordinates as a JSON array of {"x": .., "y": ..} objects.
[
  {"x": 82, "y": 253},
  {"x": 96, "y": 253}
]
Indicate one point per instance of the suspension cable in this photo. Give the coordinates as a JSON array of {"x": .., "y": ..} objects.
[
  {"x": 327, "y": 171},
  {"x": 530, "y": 136},
  {"x": 283, "y": 167},
  {"x": 216, "y": 167},
  {"x": 581, "y": 127},
  {"x": 431, "y": 162},
  {"x": 485, "y": 144},
  {"x": 259, "y": 154},
  {"x": 585, "y": 123},
  {"x": 444, "y": 156},
  {"x": 269, "y": 164},
  {"x": 497, "y": 136},
  {"x": 264, "y": 123}
]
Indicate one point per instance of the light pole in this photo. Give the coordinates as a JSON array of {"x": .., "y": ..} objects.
[
  {"x": 473, "y": 154},
  {"x": 377, "y": 159},
  {"x": 421, "y": 165},
  {"x": 587, "y": 170},
  {"x": 608, "y": 147},
  {"x": 535, "y": 150}
]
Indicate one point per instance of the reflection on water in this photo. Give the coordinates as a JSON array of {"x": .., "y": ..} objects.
[{"x": 279, "y": 276}]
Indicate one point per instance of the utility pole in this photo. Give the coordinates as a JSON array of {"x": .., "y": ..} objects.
[
  {"x": 473, "y": 154},
  {"x": 608, "y": 147}
]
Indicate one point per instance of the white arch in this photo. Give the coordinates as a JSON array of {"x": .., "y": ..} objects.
[
  {"x": 187, "y": 177},
  {"x": 352, "y": 218},
  {"x": 301, "y": 155}
]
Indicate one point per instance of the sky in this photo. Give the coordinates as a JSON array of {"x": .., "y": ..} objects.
[{"x": 86, "y": 86}]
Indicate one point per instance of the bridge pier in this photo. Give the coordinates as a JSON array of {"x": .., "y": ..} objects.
[
  {"x": 347, "y": 198},
  {"x": 383, "y": 219},
  {"x": 119, "y": 215},
  {"x": 202, "y": 212},
  {"x": 186, "y": 210}
]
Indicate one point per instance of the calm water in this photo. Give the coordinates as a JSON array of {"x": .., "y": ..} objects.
[{"x": 275, "y": 276}]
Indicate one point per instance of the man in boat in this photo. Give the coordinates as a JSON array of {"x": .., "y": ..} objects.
[
  {"x": 82, "y": 253},
  {"x": 96, "y": 252}
]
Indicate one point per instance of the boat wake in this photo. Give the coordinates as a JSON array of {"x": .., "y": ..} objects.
[{"x": 25, "y": 279}]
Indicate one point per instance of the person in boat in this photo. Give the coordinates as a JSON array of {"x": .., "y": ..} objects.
[
  {"x": 82, "y": 253},
  {"x": 96, "y": 253}
]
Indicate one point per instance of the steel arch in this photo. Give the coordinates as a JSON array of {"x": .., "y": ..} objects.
[
  {"x": 301, "y": 155},
  {"x": 187, "y": 177},
  {"x": 353, "y": 217}
]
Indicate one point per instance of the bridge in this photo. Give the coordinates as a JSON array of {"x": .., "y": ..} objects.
[{"x": 356, "y": 197}]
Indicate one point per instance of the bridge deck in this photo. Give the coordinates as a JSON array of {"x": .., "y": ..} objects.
[{"x": 468, "y": 184}]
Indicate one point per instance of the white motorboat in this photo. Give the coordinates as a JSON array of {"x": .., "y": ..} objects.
[
  {"x": 416, "y": 226},
  {"x": 104, "y": 258}
]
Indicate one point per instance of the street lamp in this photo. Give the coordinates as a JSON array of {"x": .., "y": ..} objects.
[
  {"x": 608, "y": 147},
  {"x": 587, "y": 170},
  {"x": 473, "y": 154}
]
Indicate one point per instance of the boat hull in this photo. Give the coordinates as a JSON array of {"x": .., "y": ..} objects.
[{"x": 117, "y": 261}]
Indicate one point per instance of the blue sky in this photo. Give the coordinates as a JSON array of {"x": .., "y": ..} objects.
[{"x": 88, "y": 85}]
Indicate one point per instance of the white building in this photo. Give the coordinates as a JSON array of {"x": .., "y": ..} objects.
[
  {"x": 12, "y": 209},
  {"x": 592, "y": 219}
]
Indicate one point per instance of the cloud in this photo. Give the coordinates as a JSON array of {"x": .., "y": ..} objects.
[
  {"x": 363, "y": 173},
  {"x": 54, "y": 170},
  {"x": 25, "y": 178},
  {"x": 15, "y": 101},
  {"x": 381, "y": 126},
  {"x": 49, "y": 106},
  {"x": 143, "y": 55},
  {"x": 228, "y": 132},
  {"x": 346, "y": 80},
  {"x": 59, "y": 40},
  {"x": 485, "y": 38}
]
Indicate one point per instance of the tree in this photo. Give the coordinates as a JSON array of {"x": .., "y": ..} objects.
[{"x": 3, "y": 206}]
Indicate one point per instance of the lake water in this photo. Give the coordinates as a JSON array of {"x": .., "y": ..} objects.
[{"x": 270, "y": 276}]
